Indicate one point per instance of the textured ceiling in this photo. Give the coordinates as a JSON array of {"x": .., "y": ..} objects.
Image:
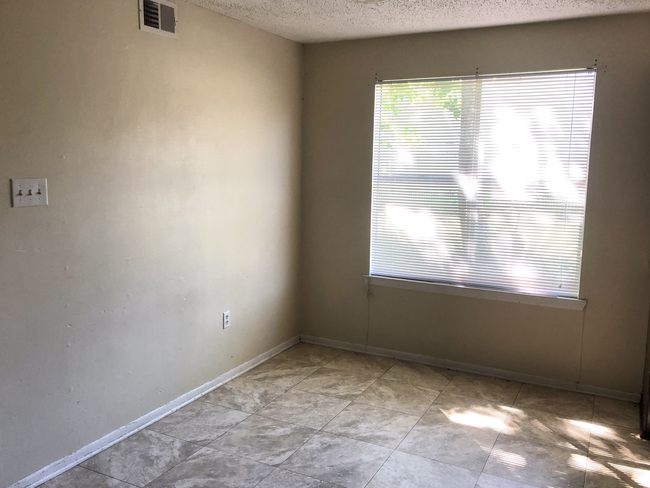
[{"x": 330, "y": 20}]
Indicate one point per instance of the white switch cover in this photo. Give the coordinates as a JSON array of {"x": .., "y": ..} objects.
[{"x": 29, "y": 193}]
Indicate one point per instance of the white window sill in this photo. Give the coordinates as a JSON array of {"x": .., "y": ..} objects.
[{"x": 554, "y": 302}]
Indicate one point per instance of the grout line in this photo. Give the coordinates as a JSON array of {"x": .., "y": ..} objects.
[
  {"x": 146, "y": 427},
  {"x": 54, "y": 470},
  {"x": 501, "y": 430},
  {"x": 201, "y": 446},
  {"x": 378, "y": 407},
  {"x": 334, "y": 396},
  {"x": 103, "y": 474},
  {"x": 317, "y": 431},
  {"x": 517, "y": 396},
  {"x": 272, "y": 465},
  {"x": 435, "y": 460},
  {"x": 240, "y": 456},
  {"x": 321, "y": 430},
  {"x": 382, "y": 465},
  {"x": 540, "y": 444},
  {"x": 262, "y": 480},
  {"x": 611, "y": 464},
  {"x": 178, "y": 438},
  {"x": 212, "y": 440},
  {"x": 496, "y": 439},
  {"x": 475, "y": 369},
  {"x": 229, "y": 454},
  {"x": 411, "y": 429},
  {"x": 175, "y": 465},
  {"x": 166, "y": 471},
  {"x": 307, "y": 476},
  {"x": 545, "y": 446},
  {"x": 439, "y": 392}
]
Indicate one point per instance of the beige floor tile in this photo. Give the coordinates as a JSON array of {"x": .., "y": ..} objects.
[
  {"x": 406, "y": 471},
  {"x": 420, "y": 375},
  {"x": 263, "y": 440},
  {"x": 366, "y": 423},
  {"x": 536, "y": 464},
  {"x": 367, "y": 364},
  {"x": 212, "y": 468},
  {"x": 620, "y": 443},
  {"x": 302, "y": 408},
  {"x": 409, "y": 399},
  {"x": 567, "y": 404},
  {"x": 199, "y": 422},
  {"x": 470, "y": 435},
  {"x": 336, "y": 383},
  {"x": 281, "y": 372},
  {"x": 310, "y": 353},
  {"x": 338, "y": 460},
  {"x": 603, "y": 472},
  {"x": 616, "y": 412},
  {"x": 244, "y": 394},
  {"x": 79, "y": 477},
  {"x": 484, "y": 387},
  {"x": 471, "y": 411},
  {"x": 439, "y": 437},
  {"x": 530, "y": 425},
  {"x": 141, "y": 458},
  {"x": 490, "y": 481}
]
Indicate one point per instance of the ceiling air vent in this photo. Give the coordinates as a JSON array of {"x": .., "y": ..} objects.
[{"x": 158, "y": 17}]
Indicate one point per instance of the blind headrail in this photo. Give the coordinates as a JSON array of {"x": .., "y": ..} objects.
[{"x": 484, "y": 76}]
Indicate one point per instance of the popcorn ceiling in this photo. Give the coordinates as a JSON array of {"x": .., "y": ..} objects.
[{"x": 310, "y": 21}]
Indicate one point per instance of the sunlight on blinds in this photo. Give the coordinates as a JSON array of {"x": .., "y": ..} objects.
[{"x": 481, "y": 181}]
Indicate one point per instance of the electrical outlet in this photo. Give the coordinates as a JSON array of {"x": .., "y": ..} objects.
[
  {"x": 29, "y": 192},
  {"x": 226, "y": 320}
]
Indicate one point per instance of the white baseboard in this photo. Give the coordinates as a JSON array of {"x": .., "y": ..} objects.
[
  {"x": 475, "y": 368},
  {"x": 70, "y": 461}
]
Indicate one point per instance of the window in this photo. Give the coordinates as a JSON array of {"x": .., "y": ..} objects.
[{"x": 481, "y": 181}]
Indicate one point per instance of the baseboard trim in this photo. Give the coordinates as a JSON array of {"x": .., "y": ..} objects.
[
  {"x": 70, "y": 461},
  {"x": 475, "y": 368}
]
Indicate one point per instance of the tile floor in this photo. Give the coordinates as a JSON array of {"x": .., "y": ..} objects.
[{"x": 316, "y": 417}]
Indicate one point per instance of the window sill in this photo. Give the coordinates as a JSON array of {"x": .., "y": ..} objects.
[{"x": 554, "y": 302}]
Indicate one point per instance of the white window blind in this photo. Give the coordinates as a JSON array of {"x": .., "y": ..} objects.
[{"x": 481, "y": 181}]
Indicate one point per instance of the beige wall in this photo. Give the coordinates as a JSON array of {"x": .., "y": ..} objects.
[
  {"x": 605, "y": 345},
  {"x": 174, "y": 174},
  {"x": 174, "y": 179}
]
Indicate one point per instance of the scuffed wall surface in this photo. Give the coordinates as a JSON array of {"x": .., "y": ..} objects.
[{"x": 173, "y": 169}]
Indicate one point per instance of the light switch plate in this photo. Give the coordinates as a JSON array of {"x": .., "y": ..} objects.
[{"x": 28, "y": 192}]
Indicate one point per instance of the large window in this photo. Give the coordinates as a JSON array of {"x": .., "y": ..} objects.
[{"x": 481, "y": 181}]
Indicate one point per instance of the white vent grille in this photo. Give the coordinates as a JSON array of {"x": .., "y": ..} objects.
[{"x": 159, "y": 17}]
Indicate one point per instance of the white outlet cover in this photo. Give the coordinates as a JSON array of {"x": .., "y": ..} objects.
[
  {"x": 28, "y": 192},
  {"x": 226, "y": 320}
]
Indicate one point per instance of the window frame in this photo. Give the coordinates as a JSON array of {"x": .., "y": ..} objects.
[{"x": 468, "y": 289}]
